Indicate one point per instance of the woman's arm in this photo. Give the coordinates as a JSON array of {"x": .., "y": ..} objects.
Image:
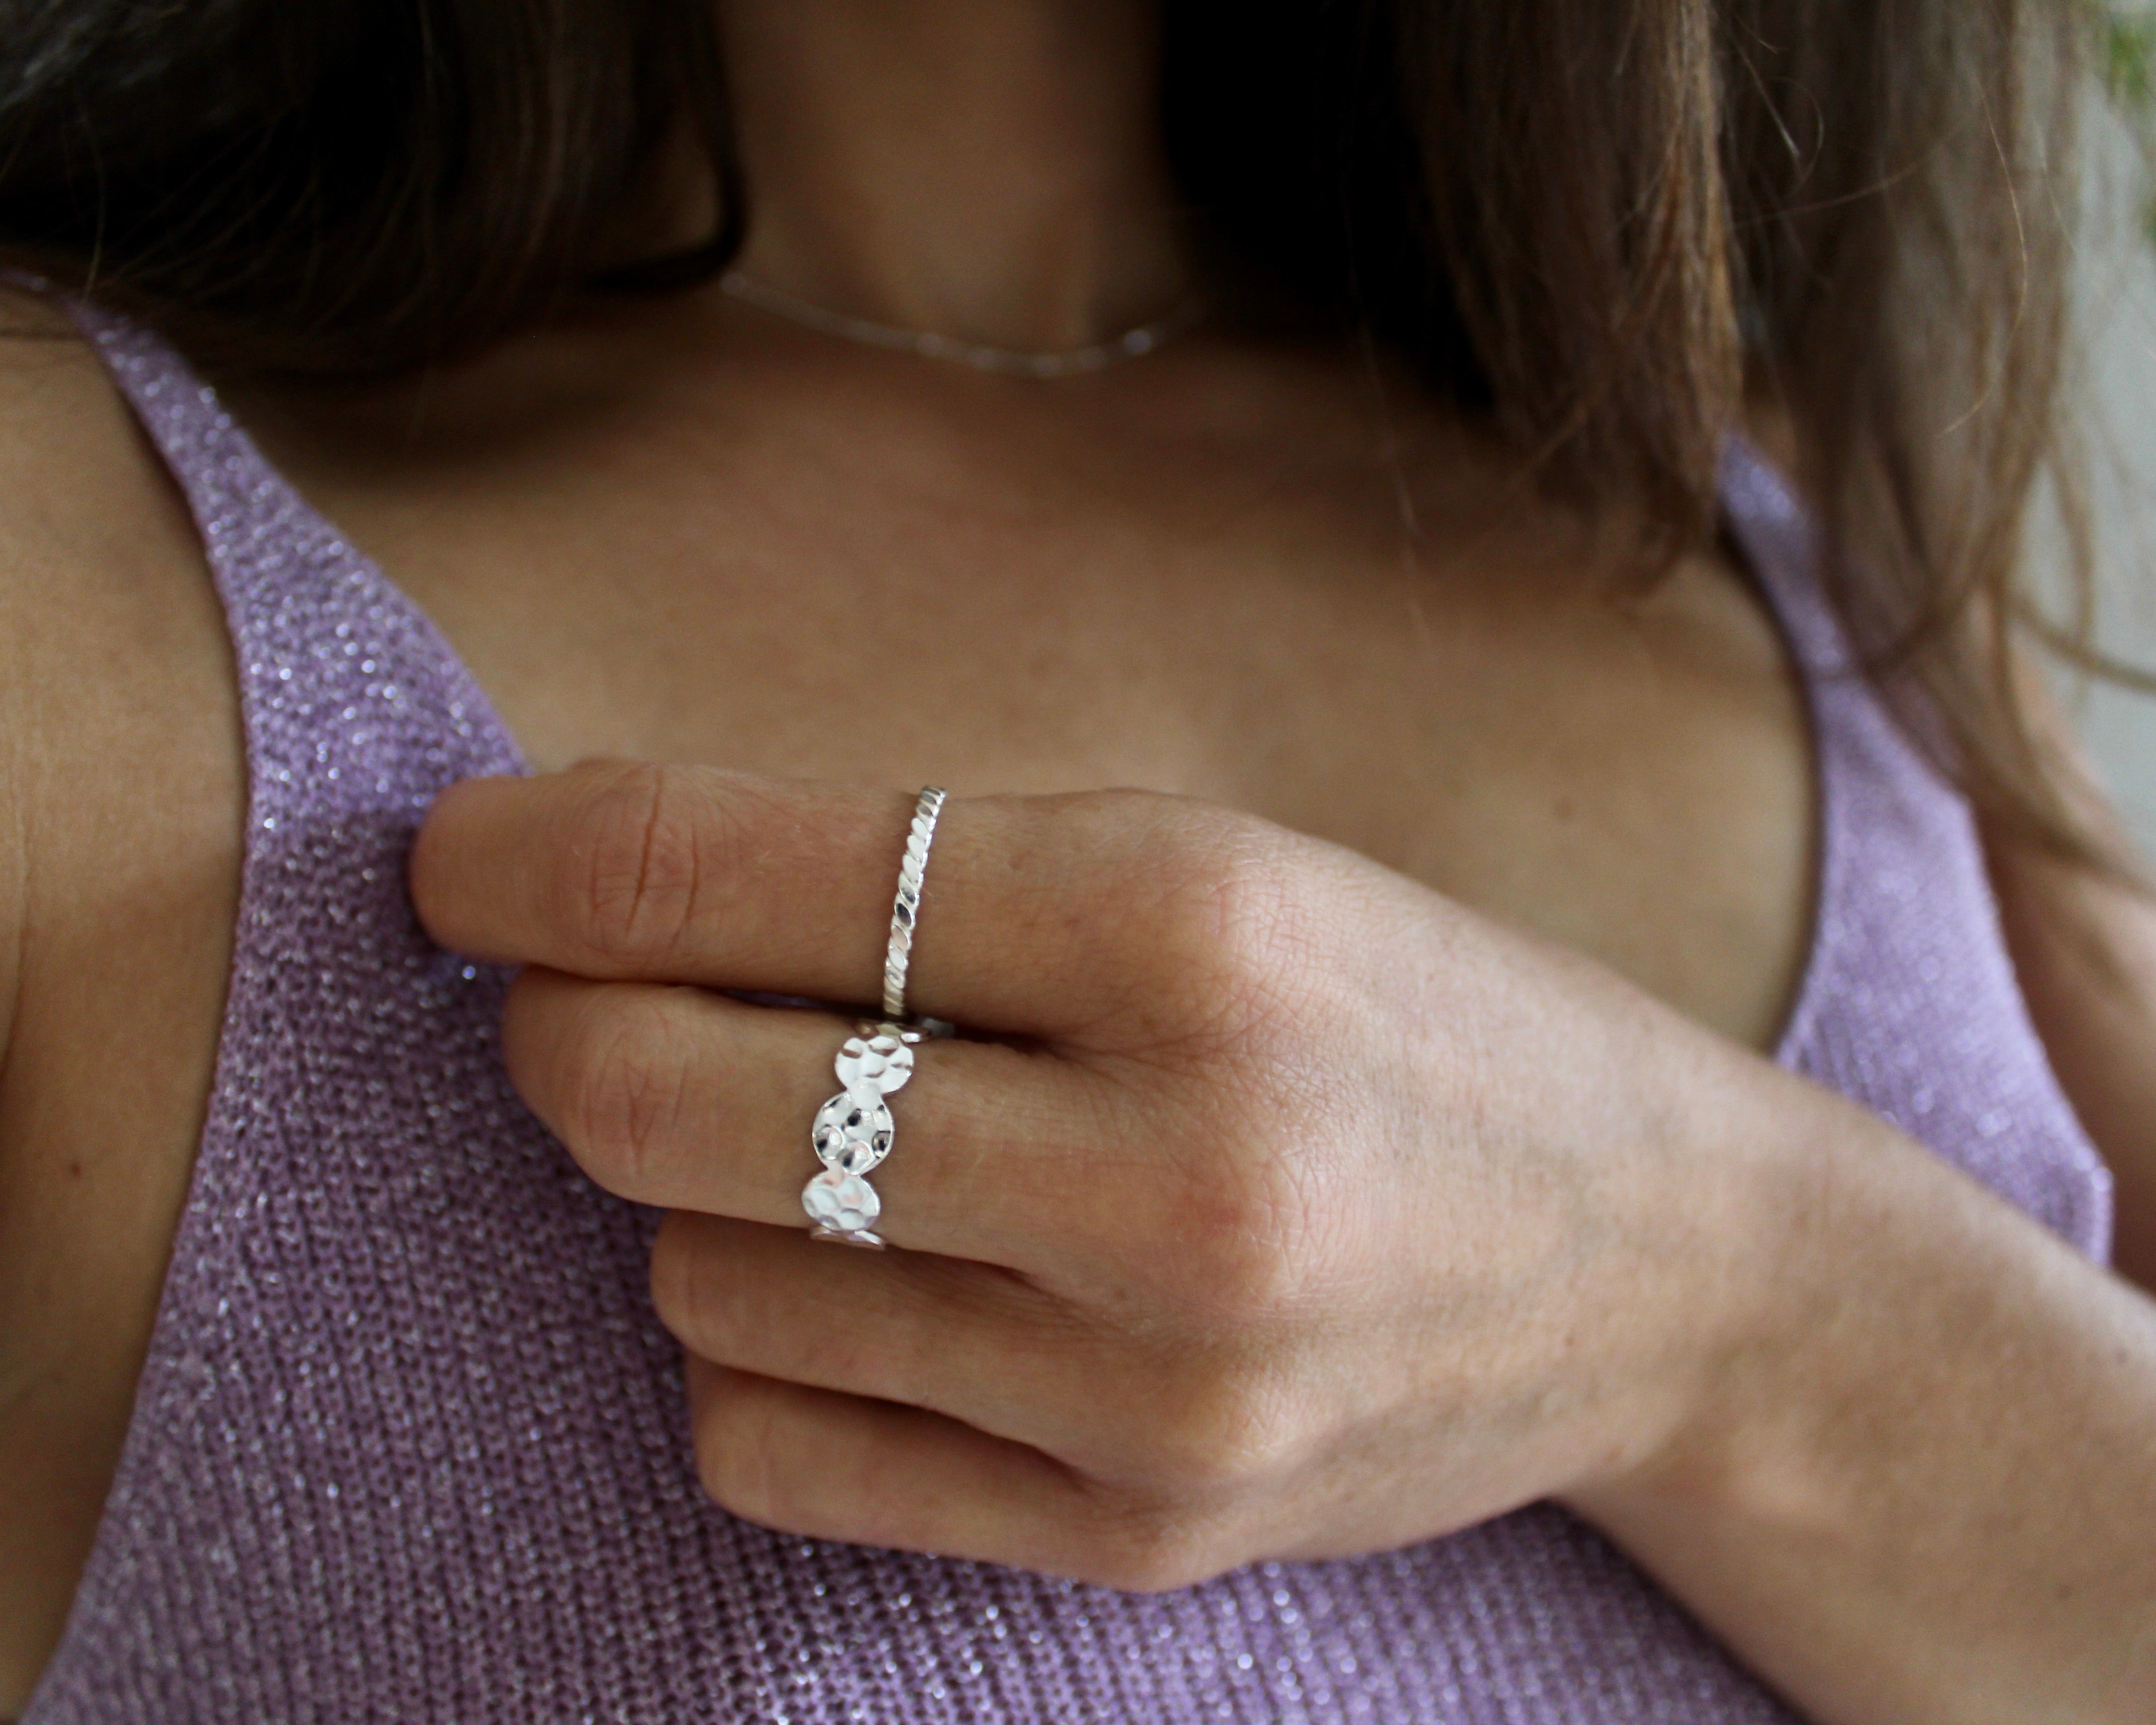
[
  {"x": 2084, "y": 947},
  {"x": 1928, "y": 1490}
]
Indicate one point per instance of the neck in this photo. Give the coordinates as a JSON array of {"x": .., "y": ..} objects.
[{"x": 990, "y": 170}]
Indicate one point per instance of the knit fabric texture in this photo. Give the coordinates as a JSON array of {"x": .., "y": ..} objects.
[{"x": 411, "y": 1446}]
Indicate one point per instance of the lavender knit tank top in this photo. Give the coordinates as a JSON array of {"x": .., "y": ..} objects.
[{"x": 410, "y": 1446}]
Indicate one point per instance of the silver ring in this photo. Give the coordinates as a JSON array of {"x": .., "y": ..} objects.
[
  {"x": 853, "y": 1131},
  {"x": 906, "y": 907}
]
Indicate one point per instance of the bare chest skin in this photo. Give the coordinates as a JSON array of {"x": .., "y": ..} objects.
[
  {"x": 1269, "y": 582},
  {"x": 1259, "y": 580}
]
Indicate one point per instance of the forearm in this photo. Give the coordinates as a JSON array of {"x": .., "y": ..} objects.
[
  {"x": 1926, "y": 1489},
  {"x": 2084, "y": 950}
]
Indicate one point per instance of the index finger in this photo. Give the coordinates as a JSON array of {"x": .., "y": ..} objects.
[{"x": 694, "y": 875}]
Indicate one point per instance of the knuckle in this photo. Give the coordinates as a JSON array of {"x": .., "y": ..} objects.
[
  {"x": 754, "y": 1458},
  {"x": 741, "y": 1460},
  {"x": 1221, "y": 1435},
  {"x": 1251, "y": 1246},
  {"x": 630, "y": 878},
  {"x": 1148, "y": 1546},
  {"x": 1224, "y": 924},
  {"x": 681, "y": 1295},
  {"x": 727, "y": 1314},
  {"x": 625, "y": 1094}
]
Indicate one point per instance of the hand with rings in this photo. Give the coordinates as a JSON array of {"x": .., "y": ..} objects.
[{"x": 1267, "y": 1204}]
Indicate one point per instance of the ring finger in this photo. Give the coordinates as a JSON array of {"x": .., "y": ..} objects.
[{"x": 689, "y": 1100}]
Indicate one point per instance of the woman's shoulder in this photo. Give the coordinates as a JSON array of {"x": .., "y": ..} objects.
[
  {"x": 65, "y": 429},
  {"x": 121, "y": 815},
  {"x": 98, "y": 553},
  {"x": 121, "y": 758}
]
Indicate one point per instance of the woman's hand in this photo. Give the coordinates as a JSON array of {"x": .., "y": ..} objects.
[
  {"x": 1277, "y": 1207},
  {"x": 1292, "y": 1211}
]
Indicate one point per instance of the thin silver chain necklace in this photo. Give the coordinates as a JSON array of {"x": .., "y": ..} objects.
[{"x": 1004, "y": 361}]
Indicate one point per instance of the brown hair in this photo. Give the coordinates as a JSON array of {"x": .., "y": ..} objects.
[{"x": 1598, "y": 222}]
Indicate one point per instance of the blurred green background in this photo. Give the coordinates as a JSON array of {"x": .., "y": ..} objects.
[{"x": 2116, "y": 293}]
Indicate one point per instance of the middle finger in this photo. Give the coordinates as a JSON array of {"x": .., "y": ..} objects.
[{"x": 686, "y": 1099}]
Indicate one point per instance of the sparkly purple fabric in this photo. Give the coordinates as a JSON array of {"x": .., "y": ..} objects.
[{"x": 410, "y": 1446}]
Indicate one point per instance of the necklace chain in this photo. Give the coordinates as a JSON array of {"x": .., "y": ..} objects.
[{"x": 1132, "y": 344}]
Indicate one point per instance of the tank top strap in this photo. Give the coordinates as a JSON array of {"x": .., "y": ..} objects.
[
  {"x": 1779, "y": 538},
  {"x": 1909, "y": 975}
]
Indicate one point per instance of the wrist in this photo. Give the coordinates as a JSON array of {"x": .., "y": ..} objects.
[
  {"x": 1758, "y": 1352},
  {"x": 1920, "y": 1429}
]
